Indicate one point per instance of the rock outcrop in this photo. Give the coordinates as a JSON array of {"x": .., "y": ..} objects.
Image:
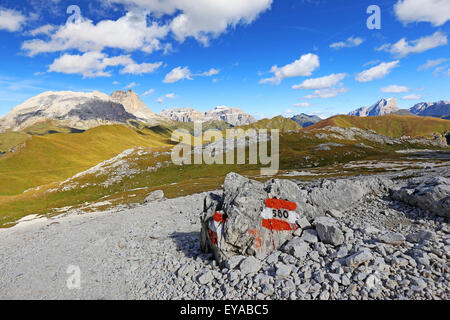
[
  {"x": 432, "y": 194},
  {"x": 133, "y": 104},
  {"x": 233, "y": 116}
]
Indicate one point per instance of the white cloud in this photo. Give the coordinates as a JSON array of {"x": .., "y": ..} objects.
[
  {"x": 436, "y": 12},
  {"x": 326, "y": 93},
  {"x": 146, "y": 93},
  {"x": 203, "y": 19},
  {"x": 321, "y": 83},
  {"x": 402, "y": 48},
  {"x": 170, "y": 96},
  {"x": 350, "y": 42},
  {"x": 135, "y": 68},
  {"x": 160, "y": 100},
  {"x": 211, "y": 72},
  {"x": 395, "y": 89},
  {"x": 377, "y": 72},
  {"x": 94, "y": 64},
  {"x": 11, "y": 20},
  {"x": 129, "y": 32},
  {"x": 432, "y": 63},
  {"x": 131, "y": 85},
  {"x": 45, "y": 30},
  {"x": 178, "y": 74},
  {"x": 301, "y": 67},
  {"x": 412, "y": 97},
  {"x": 302, "y": 105}
]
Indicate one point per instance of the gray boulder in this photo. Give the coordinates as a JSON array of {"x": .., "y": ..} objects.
[
  {"x": 431, "y": 194},
  {"x": 328, "y": 231}
]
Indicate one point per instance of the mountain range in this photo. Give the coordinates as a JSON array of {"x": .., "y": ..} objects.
[
  {"x": 440, "y": 109},
  {"x": 84, "y": 110}
]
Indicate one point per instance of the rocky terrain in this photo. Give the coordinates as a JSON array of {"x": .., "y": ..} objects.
[
  {"x": 233, "y": 116},
  {"x": 372, "y": 237}
]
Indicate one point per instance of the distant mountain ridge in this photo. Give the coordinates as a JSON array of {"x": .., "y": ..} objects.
[
  {"x": 306, "y": 120},
  {"x": 233, "y": 116},
  {"x": 440, "y": 109}
]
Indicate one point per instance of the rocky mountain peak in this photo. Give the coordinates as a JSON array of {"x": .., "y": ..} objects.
[
  {"x": 132, "y": 104},
  {"x": 381, "y": 108}
]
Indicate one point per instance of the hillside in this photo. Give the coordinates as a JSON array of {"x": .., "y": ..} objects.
[
  {"x": 281, "y": 123},
  {"x": 389, "y": 125},
  {"x": 55, "y": 157}
]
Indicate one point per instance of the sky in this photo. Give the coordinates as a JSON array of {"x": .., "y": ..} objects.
[{"x": 267, "y": 57}]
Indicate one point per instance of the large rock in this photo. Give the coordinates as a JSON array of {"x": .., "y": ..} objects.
[
  {"x": 431, "y": 194},
  {"x": 255, "y": 218}
]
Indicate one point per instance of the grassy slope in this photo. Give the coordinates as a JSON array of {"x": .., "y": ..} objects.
[
  {"x": 281, "y": 123},
  {"x": 55, "y": 157},
  {"x": 389, "y": 125}
]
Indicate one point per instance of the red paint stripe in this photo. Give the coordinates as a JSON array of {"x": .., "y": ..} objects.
[
  {"x": 212, "y": 236},
  {"x": 281, "y": 204},
  {"x": 218, "y": 217},
  {"x": 278, "y": 225}
]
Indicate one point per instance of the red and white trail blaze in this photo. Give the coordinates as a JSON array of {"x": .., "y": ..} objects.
[
  {"x": 216, "y": 227},
  {"x": 279, "y": 215}
]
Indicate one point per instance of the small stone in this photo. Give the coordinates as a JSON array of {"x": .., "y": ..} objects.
[
  {"x": 303, "y": 223},
  {"x": 250, "y": 265},
  {"x": 205, "y": 277},
  {"x": 334, "y": 213},
  {"x": 233, "y": 262},
  {"x": 310, "y": 236},
  {"x": 393, "y": 238},
  {"x": 283, "y": 270},
  {"x": 420, "y": 236},
  {"x": 358, "y": 258},
  {"x": 328, "y": 231}
]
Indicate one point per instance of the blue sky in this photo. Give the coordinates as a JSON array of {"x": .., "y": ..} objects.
[{"x": 267, "y": 57}]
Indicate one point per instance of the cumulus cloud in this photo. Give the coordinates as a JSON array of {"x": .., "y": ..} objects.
[
  {"x": 11, "y": 20},
  {"x": 395, "y": 89},
  {"x": 378, "y": 72},
  {"x": 301, "y": 67},
  {"x": 170, "y": 96},
  {"x": 321, "y": 83},
  {"x": 94, "y": 64},
  {"x": 350, "y": 42},
  {"x": 160, "y": 100},
  {"x": 136, "y": 68},
  {"x": 178, "y": 74},
  {"x": 436, "y": 12},
  {"x": 202, "y": 19},
  {"x": 402, "y": 48},
  {"x": 412, "y": 97},
  {"x": 129, "y": 32},
  {"x": 326, "y": 93}
]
